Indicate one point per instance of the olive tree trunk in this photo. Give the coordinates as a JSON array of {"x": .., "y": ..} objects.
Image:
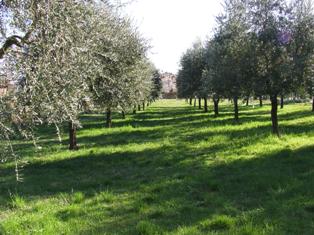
[
  {"x": 108, "y": 118},
  {"x": 72, "y": 136},
  {"x": 216, "y": 107},
  {"x": 236, "y": 108},
  {"x": 274, "y": 114},
  {"x": 199, "y": 103},
  {"x": 205, "y": 105}
]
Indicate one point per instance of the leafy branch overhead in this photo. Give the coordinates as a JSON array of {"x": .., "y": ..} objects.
[{"x": 71, "y": 56}]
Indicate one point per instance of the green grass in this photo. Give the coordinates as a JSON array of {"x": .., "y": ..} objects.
[{"x": 170, "y": 170}]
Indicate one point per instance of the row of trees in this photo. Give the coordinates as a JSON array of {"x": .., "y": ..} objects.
[
  {"x": 66, "y": 57},
  {"x": 261, "y": 48}
]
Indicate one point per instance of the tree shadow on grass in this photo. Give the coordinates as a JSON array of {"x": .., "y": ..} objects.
[
  {"x": 181, "y": 133},
  {"x": 174, "y": 185},
  {"x": 172, "y": 118},
  {"x": 172, "y": 189},
  {"x": 177, "y": 124},
  {"x": 273, "y": 190}
]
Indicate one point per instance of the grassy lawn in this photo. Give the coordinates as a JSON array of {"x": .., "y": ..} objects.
[{"x": 169, "y": 170}]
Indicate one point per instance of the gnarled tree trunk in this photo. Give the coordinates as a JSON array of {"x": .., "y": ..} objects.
[
  {"x": 139, "y": 107},
  {"x": 281, "y": 101},
  {"x": 205, "y": 105},
  {"x": 195, "y": 102},
  {"x": 274, "y": 114},
  {"x": 108, "y": 118},
  {"x": 216, "y": 107},
  {"x": 261, "y": 101},
  {"x": 143, "y": 106},
  {"x": 199, "y": 103},
  {"x": 236, "y": 108},
  {"x": 72, "y": 136},
  {"x": 191, "y": 100},
  {"x": 123, "y": 114},
  {"x": 134, "y": 109}
]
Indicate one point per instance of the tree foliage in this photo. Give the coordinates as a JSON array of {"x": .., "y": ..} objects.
[
  {"x": 260, "y": 48},
  {"x": 64, "y": 57}
]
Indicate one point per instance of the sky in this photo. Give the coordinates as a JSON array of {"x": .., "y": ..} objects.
[{"x": 172, "y": 26}]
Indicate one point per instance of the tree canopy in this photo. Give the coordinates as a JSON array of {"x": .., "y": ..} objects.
[
  {"x": 65, "y": 57},
  {"x": 259, "y": 48}
]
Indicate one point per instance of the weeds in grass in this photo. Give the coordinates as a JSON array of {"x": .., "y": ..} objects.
[
  {"x": 147, "y": 228},
  {"x": 17, "y": 202},
  {"x": 218, "y": 223}
]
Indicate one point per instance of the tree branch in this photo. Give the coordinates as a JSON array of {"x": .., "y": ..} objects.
[{"x": 15, "y": 40}]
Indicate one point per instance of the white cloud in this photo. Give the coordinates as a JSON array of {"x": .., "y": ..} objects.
[{"x": 173, "y": 25}]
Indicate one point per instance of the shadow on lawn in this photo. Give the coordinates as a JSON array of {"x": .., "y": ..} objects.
[
  {"x": 197, "y": 118},
  {"x": 177, "y": 125},
  {"x": 274, "y": 189},
  {"x": 172, "y": 188},
  {"x": 174, "y": 123},
  {"x": 174, "y": 185}
]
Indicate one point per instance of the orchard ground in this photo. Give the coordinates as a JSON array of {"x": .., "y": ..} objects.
[{"x": 171, "y": 169}]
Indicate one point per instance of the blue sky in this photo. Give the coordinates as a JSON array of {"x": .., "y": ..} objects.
[{"x": 172, "y": 26}]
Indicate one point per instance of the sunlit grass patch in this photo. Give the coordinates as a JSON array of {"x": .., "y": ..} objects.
[
  {"x": 170, "y": 170},
  {"x": 217, "y": 223}
]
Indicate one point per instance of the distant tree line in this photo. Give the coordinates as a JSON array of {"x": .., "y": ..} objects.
[
  {"x": 260, "y": 48},
  {"x": 67, "y": 57}
]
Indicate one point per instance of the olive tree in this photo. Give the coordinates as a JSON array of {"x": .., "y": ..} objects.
[
  {"x": 302, "y": 49},
  {"x": 119, "y": 63},
  {"x": 54, "y": 52},
  {"x": 271, "y": 23},
  {"x": 190, "y": 74}
]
